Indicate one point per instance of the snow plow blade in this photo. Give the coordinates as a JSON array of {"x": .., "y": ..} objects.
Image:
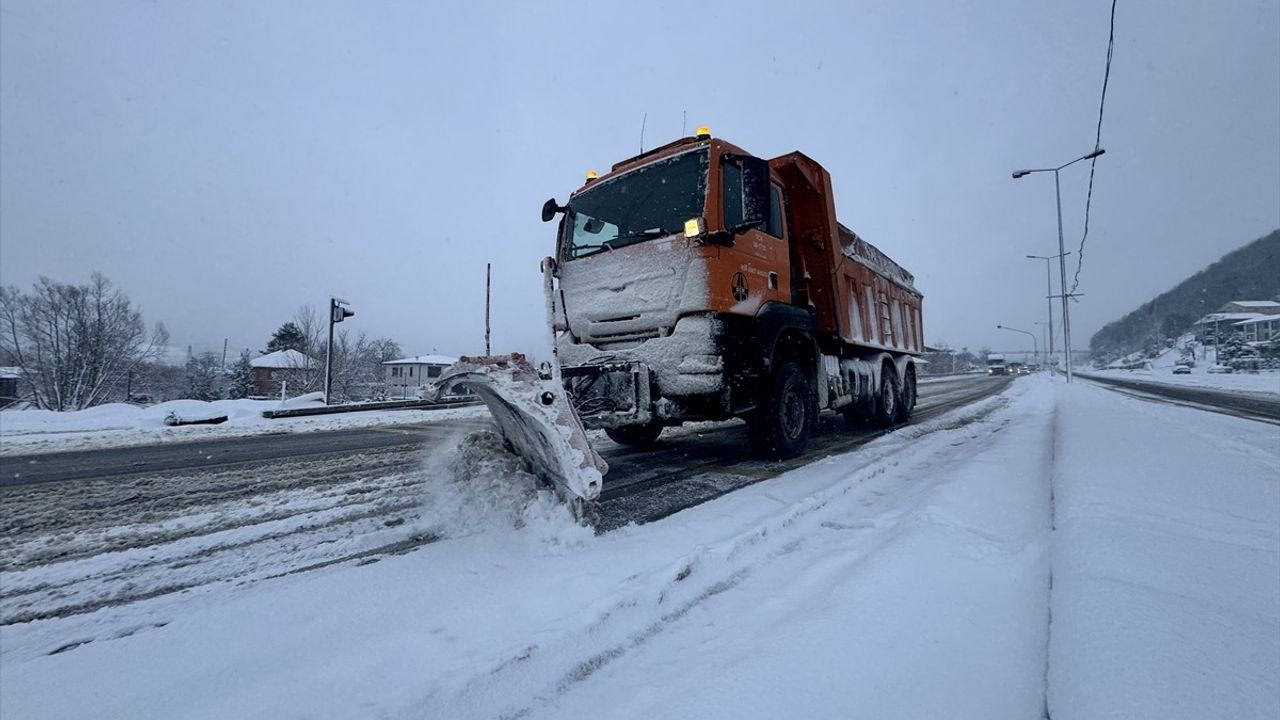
[{"x": 536, "y": 420}]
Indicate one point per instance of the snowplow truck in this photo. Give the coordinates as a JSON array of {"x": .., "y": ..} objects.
[{"x": 698, "y": 282}]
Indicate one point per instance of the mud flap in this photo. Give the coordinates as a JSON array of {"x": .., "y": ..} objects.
[{"x": 536, "y": 420}]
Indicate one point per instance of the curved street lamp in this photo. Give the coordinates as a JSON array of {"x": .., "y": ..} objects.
[
  {"x": 1062, "y": 261},
  {"x": 1035, "y": 344}
]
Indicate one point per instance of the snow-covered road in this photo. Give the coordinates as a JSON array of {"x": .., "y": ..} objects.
[{"x": 910, "y": 578}]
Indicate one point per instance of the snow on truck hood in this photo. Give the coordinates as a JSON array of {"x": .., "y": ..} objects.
[{"x": 629, "y": 293}]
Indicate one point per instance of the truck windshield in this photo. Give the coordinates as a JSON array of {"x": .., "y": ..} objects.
[{"x": 649, "y": 202}]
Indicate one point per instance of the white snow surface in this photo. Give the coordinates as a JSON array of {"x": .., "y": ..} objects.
[
  {"x": 120, "y": 424},
  {"x": 1166, "y": 562},
  {"x": 910, "y": 578},
  {"x": 1265, "y": 381}
]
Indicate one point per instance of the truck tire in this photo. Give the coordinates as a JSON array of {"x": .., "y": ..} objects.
[
  {"x": 888, "y": 398},
  {"x": 635, "y": 435},
  {"x": 782, "y": 429},
  {"x": 907, "y": 400}
]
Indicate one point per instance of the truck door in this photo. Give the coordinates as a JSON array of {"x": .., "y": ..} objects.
[{"x": 753, "y": 270}]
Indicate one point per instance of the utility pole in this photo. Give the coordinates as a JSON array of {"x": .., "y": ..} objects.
[
  {"x": 488, "y": 284},
  {"x": 337, "y": 313}
]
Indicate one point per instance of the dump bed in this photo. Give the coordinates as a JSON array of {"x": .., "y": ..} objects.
[{"x": 858, "y": 293}]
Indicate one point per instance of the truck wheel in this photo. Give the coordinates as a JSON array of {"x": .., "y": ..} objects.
[
  {"x": 782, "y": 430},
  {"x": 887, "y": 400},
  {"x": 635, "y": 435},
  {"x": 907, "y": 402}
]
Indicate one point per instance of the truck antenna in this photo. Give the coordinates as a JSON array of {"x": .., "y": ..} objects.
[
  {"x": 642, "y": 122},
  {"x": 684, "y": 120}
]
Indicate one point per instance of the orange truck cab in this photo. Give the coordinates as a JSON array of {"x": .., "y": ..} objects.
[{"x": 697, "y": 282}]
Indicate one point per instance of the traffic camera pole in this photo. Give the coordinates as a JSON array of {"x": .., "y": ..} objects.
[
  {"x": 337, "y": 313},
  {"x": 328, "y": 354}
]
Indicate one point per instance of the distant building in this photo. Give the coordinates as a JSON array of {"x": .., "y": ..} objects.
[
  {"x": 1259, "y": 328},
  {"x": 406, "y": 375},
  {"x": 1248, "y": 316},
  {"x": 282, "y": 366},
  {"x": 939, "y": 361},
  {"x": 9, "y": 377}
]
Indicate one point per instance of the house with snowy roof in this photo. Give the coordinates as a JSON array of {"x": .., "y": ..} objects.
[
  {"x": 405, "y": 376},
  {"x": 1259, "y": 328},
  {"x": 1252, "y": 317},
  {"x": 273, "y": 370}
]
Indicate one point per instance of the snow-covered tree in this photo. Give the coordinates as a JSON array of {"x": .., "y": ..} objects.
[
  {"x": 202, "y": 376},
  {"x": 288, "y": 337},
  {"x": 1232, "y": 347},
  {"x": 240, "y": 377}
]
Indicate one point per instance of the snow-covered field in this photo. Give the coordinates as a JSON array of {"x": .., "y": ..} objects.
[
  {"x": 119, "y": 425},
  {"x": 918, "y": 577}
]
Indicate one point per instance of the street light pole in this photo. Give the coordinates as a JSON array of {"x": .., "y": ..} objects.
[
  {"x": 1048, "y": 279},
  {"x": 1035, "y": 344},
  {"x": 1048, "y": 355},
  {"x": 1062, "y": 260}
]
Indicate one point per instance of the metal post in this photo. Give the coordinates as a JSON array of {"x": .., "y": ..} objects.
[
  {"x": 1035, "y": 343},
  {"x": 1048, "y": 279},
  {"x": 328, "y": 354},
  {"x": 1062, "y": 253},
  {"x": 1062, "y": 267},
  {"x": 488, "y": 284}
]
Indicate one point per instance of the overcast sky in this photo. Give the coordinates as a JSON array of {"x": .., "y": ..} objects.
[{"x": 225, "y": 163}]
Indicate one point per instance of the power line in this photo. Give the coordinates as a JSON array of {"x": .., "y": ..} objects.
[{"x": 1106, "y": 77}]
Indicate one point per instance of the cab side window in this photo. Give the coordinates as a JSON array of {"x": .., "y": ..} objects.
[
  {"x": 731, "y": 199},
  {"x": 774, "y": 226}
]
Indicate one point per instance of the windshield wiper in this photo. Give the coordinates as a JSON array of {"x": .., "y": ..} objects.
[
  {"x": 593, "y": 249},
  {"x": 649, "y": 234}
]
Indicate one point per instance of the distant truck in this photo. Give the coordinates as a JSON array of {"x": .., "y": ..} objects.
[{"x": 996, "y": 365}]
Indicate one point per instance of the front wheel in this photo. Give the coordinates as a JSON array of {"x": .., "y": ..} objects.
[
  {"x": 635, "y": 435},
  {"x": 782, "y": 429}
]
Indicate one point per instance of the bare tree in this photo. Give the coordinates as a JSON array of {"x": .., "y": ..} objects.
[
  {"x": 75, "y": 344},
  {"x": 357, "y": 366}
]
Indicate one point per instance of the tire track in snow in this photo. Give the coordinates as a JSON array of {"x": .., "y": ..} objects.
[{"x": 648, "y": 605}]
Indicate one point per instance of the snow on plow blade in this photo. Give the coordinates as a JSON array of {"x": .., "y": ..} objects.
[{"x": 537, "y": 422}]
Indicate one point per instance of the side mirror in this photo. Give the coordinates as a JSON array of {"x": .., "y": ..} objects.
[
  {"x": 549, "y": 210},
  {"x": 755, "y": 193}
]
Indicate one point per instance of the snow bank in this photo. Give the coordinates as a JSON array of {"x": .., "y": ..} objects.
[
  {"x": 1166, "y": 583},
  {"x": 120, "y": 425}
]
